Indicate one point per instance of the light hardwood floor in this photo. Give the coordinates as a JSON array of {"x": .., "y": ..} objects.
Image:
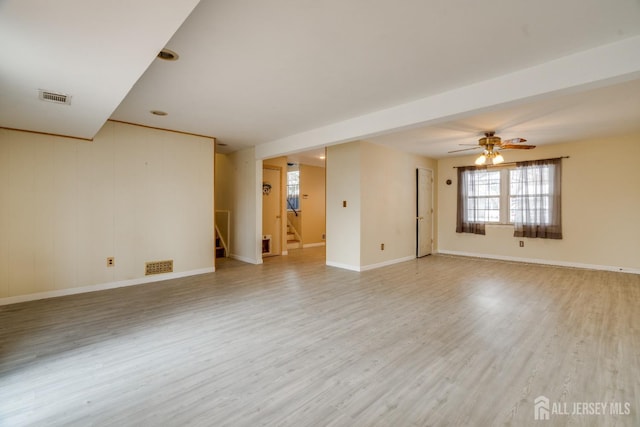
[{"x": 439, "y": 341}]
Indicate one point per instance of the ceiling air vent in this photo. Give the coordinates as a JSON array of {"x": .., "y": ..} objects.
[{"x": 58, "y": 98}]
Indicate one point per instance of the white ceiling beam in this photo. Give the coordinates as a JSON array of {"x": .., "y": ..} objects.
[{"x": 601, "y": 66}]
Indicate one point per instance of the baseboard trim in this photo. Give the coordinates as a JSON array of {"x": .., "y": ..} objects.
[
  {"x": 313, "y": 245},
  {"x": 386, "y": 263},
  {"x": 543, "y": 261},
  {"x": 246, "y": 259},
  {"x": 103, "y": 286},
  {"x": 370, "y": 266},
  {"x": 343, "y": 266}
]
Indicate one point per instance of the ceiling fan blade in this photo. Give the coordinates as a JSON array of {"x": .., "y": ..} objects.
[
  {"x": 513, "y": 141},
  {"x": 464, "y": 149},
  {"x": 517, "y": 147}
]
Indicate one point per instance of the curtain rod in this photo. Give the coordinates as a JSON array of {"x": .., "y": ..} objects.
[{"x": 510, "y": 163}]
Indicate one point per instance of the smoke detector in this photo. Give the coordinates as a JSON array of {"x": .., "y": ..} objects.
[{"x": 55, "y": 97}]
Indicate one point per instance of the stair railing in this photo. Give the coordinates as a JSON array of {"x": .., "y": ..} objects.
[{"x": 291, "y": 207}]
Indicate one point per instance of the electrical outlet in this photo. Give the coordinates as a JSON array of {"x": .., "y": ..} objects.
[
  {"x": 522, "y": 243},
  {"x": 382, "y": 246},
  {"x": 111, "y": 261}
]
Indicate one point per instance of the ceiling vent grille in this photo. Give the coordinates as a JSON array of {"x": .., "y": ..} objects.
[{"x": 55, "y": 97}]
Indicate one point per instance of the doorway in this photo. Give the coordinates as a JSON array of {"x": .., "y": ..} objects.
[
  {"x": 271, "y": 210},
  {"x": 424, "y": 212}
]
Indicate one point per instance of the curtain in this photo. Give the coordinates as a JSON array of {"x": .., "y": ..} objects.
[
  {"x": 535, "y": 199},
  {"x": 465, "y": 216}
]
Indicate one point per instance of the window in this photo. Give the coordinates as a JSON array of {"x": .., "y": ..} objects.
[
  {"x": 483, "y": 192},
  {"x": 529, "y": 188},
  {"x": 478, "y": 199},
  {"x": 293, "y": 190},
  {"x": 527, "y": 196},
  {"x": 535, "y": 199}
]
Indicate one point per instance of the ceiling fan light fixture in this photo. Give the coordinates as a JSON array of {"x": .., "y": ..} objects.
[
  {"x": 498, "y": 159},
  {"x": 481, "y": 160}
]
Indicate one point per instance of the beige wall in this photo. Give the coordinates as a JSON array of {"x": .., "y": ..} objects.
[
  {"x": 312, "y": 204},
  {"x": 134, "y": 193},
  {"x": 388, "y": 202},
  {"x": 223, "y": 190},
  {"x": 380, "y": 186},
  {"x": 244, "y": 181},
  {"x": 343, "y": 224},
  {"x": 600, "y": 206}
]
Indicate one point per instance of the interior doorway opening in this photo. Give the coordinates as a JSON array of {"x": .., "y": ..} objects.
[
  {"x": 304, "y": 199},
  {"x": 272, "y": 201},
  {"x": 424, "y": 212}
]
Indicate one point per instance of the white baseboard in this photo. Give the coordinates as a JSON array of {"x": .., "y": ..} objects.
[
  {"x": 343, "y": 266},
  {"x": 386, "y": 263},
  {"x": 370, "y": 266},
  {"x": 313, "y": 245},
  {"x": 103, "y": 286},
  {"x": 246, "y": 259},
  {"x": 543, "y": 261}
]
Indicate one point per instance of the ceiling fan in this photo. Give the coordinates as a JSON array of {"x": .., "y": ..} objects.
[{"x": 490, "y": 144}]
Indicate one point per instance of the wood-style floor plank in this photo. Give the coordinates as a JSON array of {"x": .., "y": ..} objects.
[{"x": 439, "y": 341}]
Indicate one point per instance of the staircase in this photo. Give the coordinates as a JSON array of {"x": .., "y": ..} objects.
[
  {"x": 293, "y": 238},
  {"x": 222, "y": 220},
  {"x": 221, "y": 252}
]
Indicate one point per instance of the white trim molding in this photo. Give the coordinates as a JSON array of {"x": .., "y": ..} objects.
[
  {"x": 103, "y": 286},
  {"x": 370, "y": 266},
  {"x": 343, "y": 266},
  {"x": 543, "y": 261},
  {"x": 246, "y": 259},
  {"x": 386, "y": 263},
  {"x": 313, "y": 245}
]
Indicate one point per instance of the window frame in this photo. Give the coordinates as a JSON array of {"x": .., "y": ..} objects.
[
  {"x": 542, "y": 194},
  {"x": 487, "y": 197},
  {"x": 293, "y": 195},
  {"x": 504, "y": 196}
]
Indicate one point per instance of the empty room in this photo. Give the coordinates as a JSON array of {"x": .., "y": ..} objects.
[{"x": 339, "y": 213}]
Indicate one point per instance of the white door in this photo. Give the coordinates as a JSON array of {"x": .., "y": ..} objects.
[
  {"x": 272, "y": 209},
  {"x": 424, "y": 212}
]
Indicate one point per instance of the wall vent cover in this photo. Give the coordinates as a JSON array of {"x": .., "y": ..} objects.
[
  {"x": 158, "y": 267},
  {"x": 58, "y": 98}
]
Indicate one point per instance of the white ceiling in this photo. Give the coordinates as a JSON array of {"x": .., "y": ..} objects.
[
  {"x": 288, "y": 76},
  {"x": 314, "y": 157},
  {"x": 93, "y": 51},
  {"x": 610, "y": 111}
]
